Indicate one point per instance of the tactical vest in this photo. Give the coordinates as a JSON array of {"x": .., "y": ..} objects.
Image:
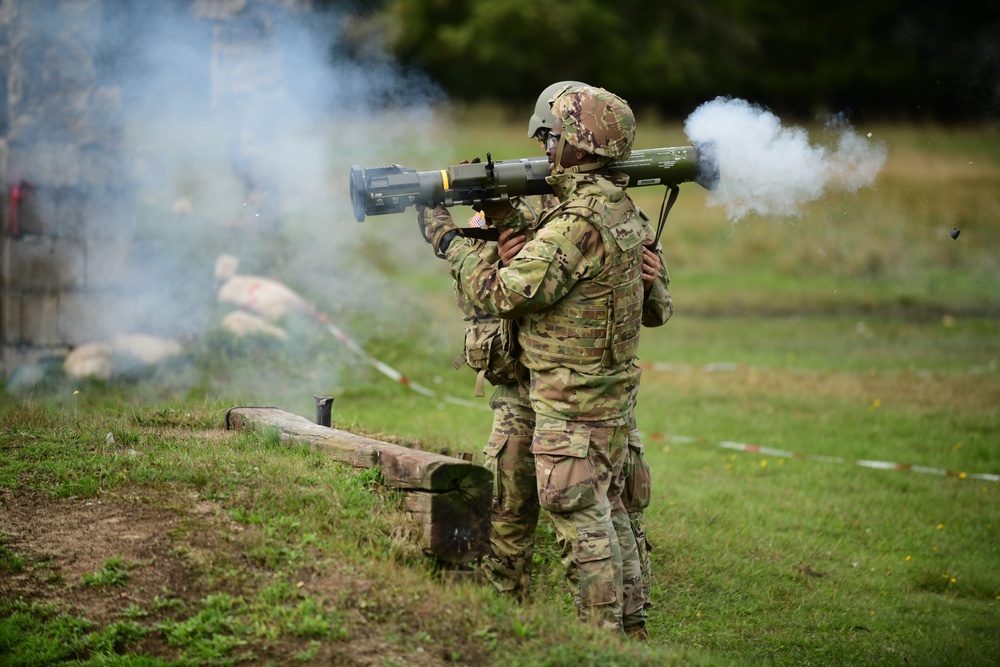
[{"x": 598, "y": 321}]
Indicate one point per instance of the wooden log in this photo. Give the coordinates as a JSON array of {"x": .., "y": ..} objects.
[{"x": 448, "y": 497}]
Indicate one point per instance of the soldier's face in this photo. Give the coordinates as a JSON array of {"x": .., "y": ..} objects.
[
  {"x": 542, "y": 136},
  {"x": 552, "y": 141},
  {"x": 570, "y": 156}
]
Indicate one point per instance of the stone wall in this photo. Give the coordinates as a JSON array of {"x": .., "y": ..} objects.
[
  {"x": 68, "y": 209},
  {"x": 68, "y": 214}
]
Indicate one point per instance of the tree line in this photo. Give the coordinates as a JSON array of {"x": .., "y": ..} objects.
[{"x": 920, "y": 60}]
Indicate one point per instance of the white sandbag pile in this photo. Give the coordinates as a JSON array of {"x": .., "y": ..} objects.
[
  {"x": 261, "y": 301},
  {"x": 122, "y": 355}
]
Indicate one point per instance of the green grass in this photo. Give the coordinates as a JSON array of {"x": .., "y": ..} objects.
[
  {"x": 860, "y": 331},
  {"x": 114, "y": 572},
  {"x": 309, "y": 557},
  {"x": 43, "y": 635},
  {"x": 759, "y": 559}
]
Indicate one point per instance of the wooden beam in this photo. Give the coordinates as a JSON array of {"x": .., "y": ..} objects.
[{"x": 448, "y": 497}]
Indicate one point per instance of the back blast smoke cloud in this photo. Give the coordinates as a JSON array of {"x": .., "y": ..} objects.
[
  {"x": 214, "y": 102},
  {"x": 207, "y": 102},
  {"x": 772, "y": 170}
]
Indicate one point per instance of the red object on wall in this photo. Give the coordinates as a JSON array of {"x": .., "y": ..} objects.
[{"x": 17, "y": 195}]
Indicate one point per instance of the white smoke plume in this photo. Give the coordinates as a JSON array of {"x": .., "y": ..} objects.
[
  {"x": 225, "y": 132},
  {"x": 279, "y": 104},
  {"x": 772, "y": 170}
]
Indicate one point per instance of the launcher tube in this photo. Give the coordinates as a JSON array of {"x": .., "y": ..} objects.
[{"x": 393, "y": 188}]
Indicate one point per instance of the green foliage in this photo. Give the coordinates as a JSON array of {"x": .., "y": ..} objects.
[
  {"x": 39, "y": 635},
  {"x": 645, "y": 49},
  {"x": 211, "y": 635},
  {"x": 114, "y": 572},
  {"x": 9, "y": 561},
  {"x": 873, "y": 58}
]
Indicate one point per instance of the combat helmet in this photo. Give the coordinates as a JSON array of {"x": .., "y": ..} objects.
[
  {"x": 543, "y": 119},
  {"x": 595, "y": 121}
]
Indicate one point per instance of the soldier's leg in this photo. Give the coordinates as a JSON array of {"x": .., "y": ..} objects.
[
  {"x": 637, "y": 520},
  {"x": 636, "y": 495},
  {"x": 515, "y": 496},
  {"x": 634, "y": 589},
  {"x": 575, "y": 463}
]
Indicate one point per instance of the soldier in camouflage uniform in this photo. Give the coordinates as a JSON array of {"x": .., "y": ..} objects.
[
  {"x": 576, "y": 292},
  {"x": 490, "y": 348},
  {"x": 515, "y": 508},
  {"x": 635, "y": 494}
]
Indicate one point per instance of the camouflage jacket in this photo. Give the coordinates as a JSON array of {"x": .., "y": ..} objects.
[
  {"x": 565, "y": 251},
  {"x": 657, "y": 306}
]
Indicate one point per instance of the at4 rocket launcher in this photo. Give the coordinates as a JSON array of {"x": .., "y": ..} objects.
[{"x": 393, "y": 188}]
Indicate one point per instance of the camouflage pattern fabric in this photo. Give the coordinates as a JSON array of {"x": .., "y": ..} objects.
[
  {"x": 508, "y": 453},
  {"x": 566, "y": 251},
  {"x": 508, "y": 456},
  {"x": 580, "y": 439},
  {"x": 527, "y": 212},
  {"x": 636, "y": 495},
  {"x": 658, "y": 305},
  {"x": 634, "y": 586},
  {"x": 515, "y": 498},
  {"x": 515, "y": 507},
  {"x": 434, "y": 223},
  {"x": 576, "y": 464},
  {"x": 596, "y": 121}
]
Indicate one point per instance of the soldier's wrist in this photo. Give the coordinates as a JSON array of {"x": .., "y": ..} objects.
[{"x": 446, "y": 240}]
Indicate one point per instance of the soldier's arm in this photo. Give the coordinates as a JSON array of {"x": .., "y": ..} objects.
[{"x": 542, "y": 272}]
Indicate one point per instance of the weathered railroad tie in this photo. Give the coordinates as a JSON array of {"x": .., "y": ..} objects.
[{"x": 448, "y": 497}]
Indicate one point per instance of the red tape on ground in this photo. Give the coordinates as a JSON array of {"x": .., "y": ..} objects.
[
  {"x": 396, "y": 376},
  {"x": 780, "y": 453}
]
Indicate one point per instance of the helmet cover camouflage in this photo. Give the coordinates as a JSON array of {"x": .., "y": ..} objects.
[{"x": 596, "y": 121}]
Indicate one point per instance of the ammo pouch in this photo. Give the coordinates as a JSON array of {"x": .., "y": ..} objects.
[{"x": 491, "y": 350}]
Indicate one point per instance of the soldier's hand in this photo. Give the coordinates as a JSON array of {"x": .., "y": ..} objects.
[
  {"x": 435, "y": 225},
  {"x": 650, "y": 268},
  {"x": 509, "y": 244},
  {"x": 496, "y": 210}
]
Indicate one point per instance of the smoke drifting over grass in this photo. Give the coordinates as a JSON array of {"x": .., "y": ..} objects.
[
  {"x": 246, "y": 122},
  {"x": 230, "y": 129},
  {"x": 771, "y": 170}
]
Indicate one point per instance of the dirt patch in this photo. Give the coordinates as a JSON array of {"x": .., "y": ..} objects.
[
  {"x": 64, "y": 540},
  {"x": 169, "y": 540}
]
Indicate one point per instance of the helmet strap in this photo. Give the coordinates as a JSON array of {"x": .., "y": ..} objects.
[
  {"x": 557, "y": 167},
  {"x": 576, "y": 169},
  {"x": 580, "y": 168}
]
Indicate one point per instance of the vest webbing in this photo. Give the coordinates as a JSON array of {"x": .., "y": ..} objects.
[{"x": 598, "y": 320}]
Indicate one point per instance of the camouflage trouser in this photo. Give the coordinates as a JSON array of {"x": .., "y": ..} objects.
[
  {"x": 515, "y": 497},
  {"x": 636, "y": 497},
  {"x": 515, "y": 506},
  {"x": 576, "y": 464}
]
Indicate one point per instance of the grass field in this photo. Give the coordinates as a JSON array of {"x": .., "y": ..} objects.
[{"x": 807, "y": 358}]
